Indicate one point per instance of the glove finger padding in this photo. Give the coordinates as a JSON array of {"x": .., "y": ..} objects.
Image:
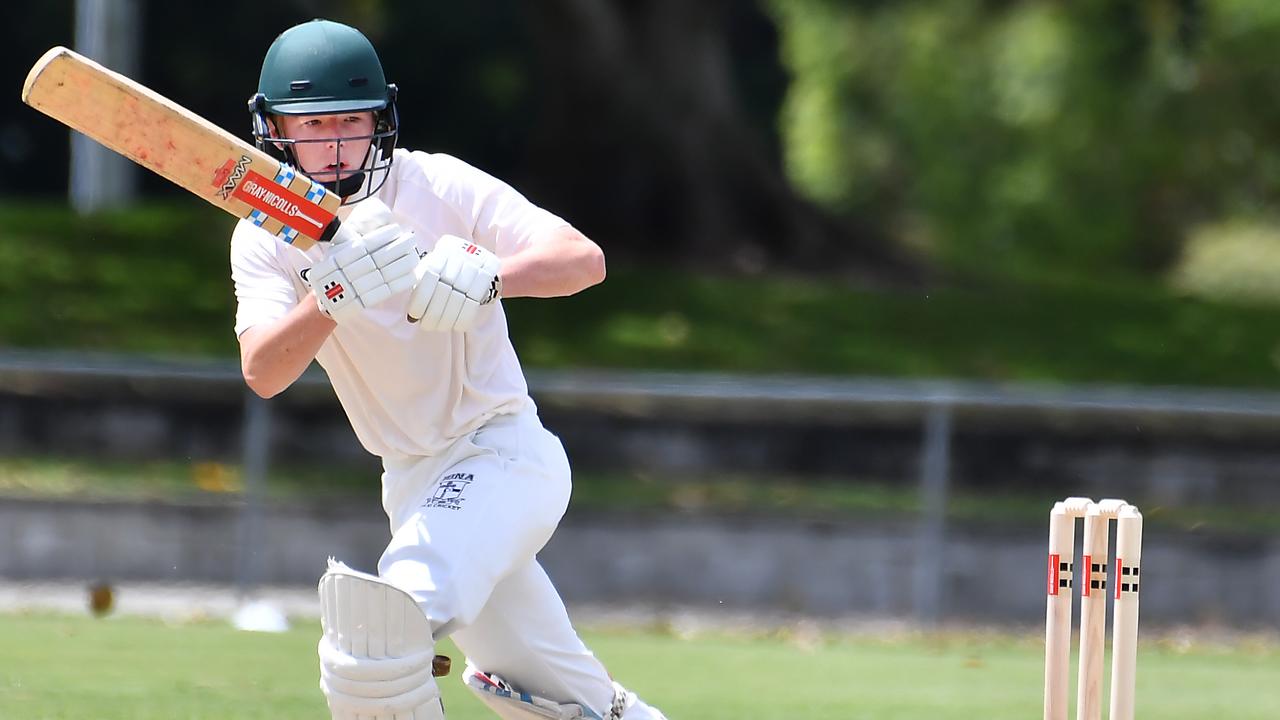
[
  {"x": 380, "y": 238},
  {"x": 322, "y": 269},
  {"x": 360, "y": 267},
  {"x": 399, "y": 274},
  {"x": 402, "y": 247},
  {"x": 466, "y": 279},
  {"x": 467, "y": 315},
  {"x": 433, "y": 305},
  {"x": 346, "y": 253},
  {"x": 375, "y": 295},
  {"x": 365, "y": 285},
  {"x": 453, "y": 305}
]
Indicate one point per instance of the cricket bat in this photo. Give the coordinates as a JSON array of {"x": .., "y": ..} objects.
[{"x": 165, "y": 137}]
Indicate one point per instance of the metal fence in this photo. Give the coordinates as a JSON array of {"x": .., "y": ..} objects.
[{"x": 935, "y": 404}]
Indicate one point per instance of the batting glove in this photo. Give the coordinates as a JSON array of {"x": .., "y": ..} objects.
[
  {"x": 453, "y": 281},
  {"x": 372, "y": 258}
]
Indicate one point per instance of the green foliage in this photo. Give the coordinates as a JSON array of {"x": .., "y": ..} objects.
[
  {"x": 1131, "y": 332},
  {"x": 156, "y": 280},
  {"x": 1030, "y": 137},
  {"x": 151, "y": 279}
]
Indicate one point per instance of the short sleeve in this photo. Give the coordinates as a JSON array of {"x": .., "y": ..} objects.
[
  {"x": 502, "y": 218},
  {"x": 263, "y": 289}
]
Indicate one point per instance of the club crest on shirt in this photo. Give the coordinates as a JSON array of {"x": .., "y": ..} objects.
[{"x": 449, "y": 492}]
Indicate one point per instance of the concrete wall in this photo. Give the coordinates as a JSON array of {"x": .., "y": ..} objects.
[
  {"x": 821, "y": 568},
  {"x": 1199, "y": 462}
]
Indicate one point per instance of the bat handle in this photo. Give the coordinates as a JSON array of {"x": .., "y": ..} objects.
[{"x": 329, "y": 231}]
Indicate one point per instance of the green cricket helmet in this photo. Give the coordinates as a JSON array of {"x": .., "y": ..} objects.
[{"x": 322, "y": 68}]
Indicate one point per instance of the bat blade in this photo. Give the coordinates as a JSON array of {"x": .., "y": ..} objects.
[{"x": 183, "y": 147}]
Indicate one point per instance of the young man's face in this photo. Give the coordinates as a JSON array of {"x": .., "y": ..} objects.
[{"x": 321, "y": 161}]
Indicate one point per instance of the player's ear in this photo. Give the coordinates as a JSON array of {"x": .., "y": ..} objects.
[{"x": 274, "y": 128}]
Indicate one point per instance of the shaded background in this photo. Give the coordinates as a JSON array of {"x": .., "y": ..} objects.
[
  {"x": 887, "y": 139},
  {"x": 916, "y": 207},
  {"x": 1074, "y": 157}
]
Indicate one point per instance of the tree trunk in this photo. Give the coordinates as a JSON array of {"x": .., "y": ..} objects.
[{"x": 639, "y": 111}]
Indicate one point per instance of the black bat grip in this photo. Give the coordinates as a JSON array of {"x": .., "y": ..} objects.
[{"x": 329, "y": 231}]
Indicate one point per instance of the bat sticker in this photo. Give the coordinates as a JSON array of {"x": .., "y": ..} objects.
[
  {"x": 276, "y": 201},
  {"x": 228, "y": 176}
]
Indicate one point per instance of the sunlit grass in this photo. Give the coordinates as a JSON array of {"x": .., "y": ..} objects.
[{"x": 125, "y": 668}]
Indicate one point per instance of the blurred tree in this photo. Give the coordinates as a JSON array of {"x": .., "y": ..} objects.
[
  {"x": 1035, "y": 137},
  {"x": 1012, "y": 136},
  {"x": 640, "y": 111}
]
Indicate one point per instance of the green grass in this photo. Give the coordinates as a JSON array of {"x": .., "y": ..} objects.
[
  {"x": 114, "y": 282},
  {"x": 1138, "y": 333},
  {"x": 779, "y": 496},
  {"x": 54, "y": 667},
  {"x": 152, "y": 279}
]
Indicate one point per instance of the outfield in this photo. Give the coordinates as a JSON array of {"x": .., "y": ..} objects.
[{"x": 126, "y": 668}]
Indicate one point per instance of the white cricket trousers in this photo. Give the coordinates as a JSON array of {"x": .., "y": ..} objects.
[{"x": 466, "y": 527}]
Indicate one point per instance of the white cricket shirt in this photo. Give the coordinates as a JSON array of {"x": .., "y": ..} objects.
[{"x": 408, "y": 392}]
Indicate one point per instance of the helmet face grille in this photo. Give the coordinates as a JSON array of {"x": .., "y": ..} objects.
[{"x": 374, "y": 167}]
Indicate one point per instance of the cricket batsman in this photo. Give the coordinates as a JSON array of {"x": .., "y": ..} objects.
[{"x": 404, "y": 313}]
